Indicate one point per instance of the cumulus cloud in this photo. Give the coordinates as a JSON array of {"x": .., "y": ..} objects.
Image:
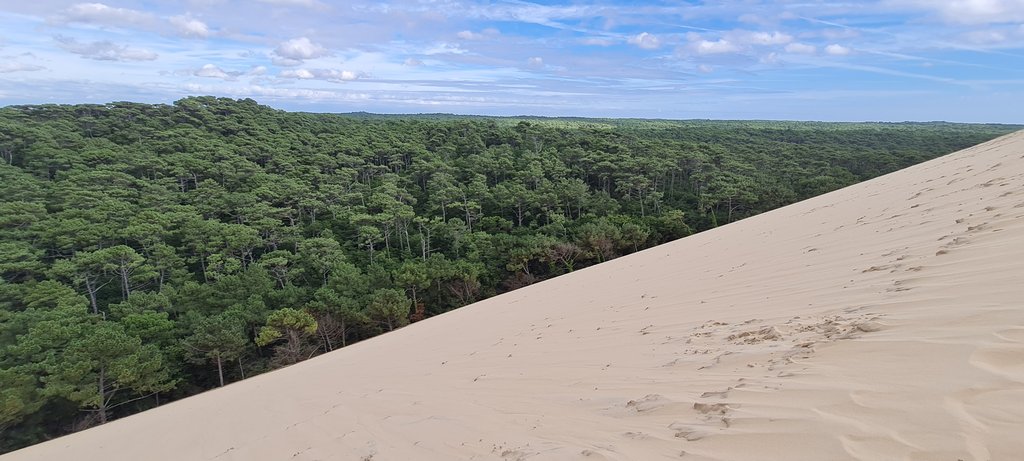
[
  {"x": 99, "y": 13},
  {"x": 297, "y": 73},
  {"x": 645, "y": 40},
  {"x": 211, "y": 71},
  {"x": 105, "y": 50},
  {"x": 444, "y": 48},
  {"x": 837, "y": 50},
  {"x": 331, "y": 75},
  {"x": 189, "y": 26},
  {"x": 215, "y": 71},
  {"x": 720, "y": 46},
  {"x": 535, "y": 62},
  {"x": 296, "y": 50},
  {"x": 770, "y": 59},
  {"x": 104, "y": 15},
  {"x": 760, "y": 38},
  {"x": 736, "y": 41},
  {"x": 801, "y": 48}
]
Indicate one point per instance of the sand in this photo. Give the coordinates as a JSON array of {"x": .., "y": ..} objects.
[{"x": 884, "y": 321}]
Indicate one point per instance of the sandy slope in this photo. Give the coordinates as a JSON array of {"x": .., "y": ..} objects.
[{"x": 883, "y": 321}]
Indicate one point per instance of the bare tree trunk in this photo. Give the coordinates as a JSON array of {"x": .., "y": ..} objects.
[
  {"x": 220, "y": 370},
  {"x": 202, "y": 264},
  {"x": 126, "y": 288},
  {"x": 90, "y": 286},
  {"x": 103, "y": 397}
]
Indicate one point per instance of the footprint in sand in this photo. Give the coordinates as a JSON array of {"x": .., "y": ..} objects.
[
  {"x": 591, "y": 454},
  {"x": 648, "y": 403}
]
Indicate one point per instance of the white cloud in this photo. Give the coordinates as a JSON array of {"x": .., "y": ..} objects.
[
  {"x": 715, "y": 47},
  {"x": 837, "y": 50},
  {"x": 759, "y": 19},
  {"x": 970, "y": 11},
  {"x": 302, "y": 3},
  {"x": 413, "y": 62},
  {"x": 99, "y": 13},
  {"x": 770, "y": 59},
  {"x": 8, "y": 66},
  {"x": 597, "y": 41},
  {"x": 760, "y": 38},
  {"x": 105, "y": 15},
  {"x": 331, "y": 75},
  {"x": 296, "y": 50},
  {"x": 337, "y": 75},
  {"x": 211, "y": 71},
  {"x": 736, "y": 41},
  {"x": 189, "y": 26},
  {"x": 257, "y": 71},
  {"x": 470, "y": 35},
  {"x": 705, "y": 69},
  {"x": 985, "y": 37},
  {"x": 801, "y": 48},
  {"x": 444, "y": 48},
  {"x": 285, "y": 62},
  {"x": 645, "y": 40},
  {"x": 297, "y": 73},
  {"x": 837, "y": 34},
  {"x": 105, "y": 50},
  {"x": 535, "y": 62}
]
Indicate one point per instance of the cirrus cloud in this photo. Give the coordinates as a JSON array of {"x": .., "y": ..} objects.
[{"x": 969, "y": 11}]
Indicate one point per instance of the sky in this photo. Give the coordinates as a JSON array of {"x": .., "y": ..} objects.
[{"x": 870, "y": 60}]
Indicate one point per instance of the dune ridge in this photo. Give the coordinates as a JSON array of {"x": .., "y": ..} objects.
[{"x": 883, "y": 321}]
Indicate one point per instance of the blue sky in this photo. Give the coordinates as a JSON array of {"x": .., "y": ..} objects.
[{"x": 887, "y": 60}]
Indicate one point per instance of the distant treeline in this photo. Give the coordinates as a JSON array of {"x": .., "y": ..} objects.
[{"x": 150, "y": 252}]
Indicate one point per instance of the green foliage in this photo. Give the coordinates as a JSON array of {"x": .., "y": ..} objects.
[
  {"x": 149, "y": 252},
  {"x": 218, "y": 339},
  {"x": 292, "y": 327},
  {"x": 389, "y": 308}
]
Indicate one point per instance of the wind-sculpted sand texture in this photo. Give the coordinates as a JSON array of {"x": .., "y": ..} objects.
[{"x": 884, "y": 321}]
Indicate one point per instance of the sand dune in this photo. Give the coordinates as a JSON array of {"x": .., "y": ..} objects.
[{"x": 884, "y": 321}]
